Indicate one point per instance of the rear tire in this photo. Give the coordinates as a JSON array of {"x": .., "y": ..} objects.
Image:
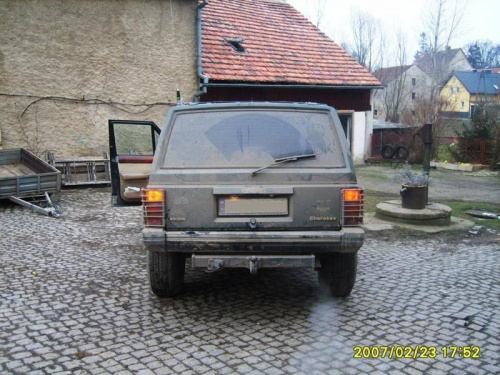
[
  {"x": 338, "y": 273},
  {"x": 166, "y": 273}
]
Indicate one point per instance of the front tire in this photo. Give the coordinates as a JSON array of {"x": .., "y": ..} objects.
[
  {"x": 338, "y": 273},
  {"x": 166, "y": 273}
]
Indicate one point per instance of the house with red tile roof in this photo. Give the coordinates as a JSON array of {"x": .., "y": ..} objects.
[{"x": 265, "y": 50}]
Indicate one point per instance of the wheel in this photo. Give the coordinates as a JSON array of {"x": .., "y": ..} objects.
[
  {"x": 401, "y": 153},
  {"x": 166, "y": 273},
  {"x": 338, "y": 273},
  {"x": 387, "y": 151}
]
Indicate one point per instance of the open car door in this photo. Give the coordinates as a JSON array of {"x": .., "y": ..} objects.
[{"x": 132, "y": 145}]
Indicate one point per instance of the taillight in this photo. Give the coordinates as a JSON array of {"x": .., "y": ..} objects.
[
  {"x": 153, "y": 207},
  {"x": 352, "y": 207}
]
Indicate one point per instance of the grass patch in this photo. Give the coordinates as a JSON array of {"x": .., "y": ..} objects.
[
  {"x": 444, "y": 154},
  {"x": 459, "y": 209},
  {"x": 374, "y": 198},
  {"x": 375, "y": 176}
]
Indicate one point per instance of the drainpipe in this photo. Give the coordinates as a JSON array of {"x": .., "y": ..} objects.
[{"x": 198, "y": 63}]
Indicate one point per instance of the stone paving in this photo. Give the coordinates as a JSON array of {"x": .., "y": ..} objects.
[{"x": 75, "y": 299}]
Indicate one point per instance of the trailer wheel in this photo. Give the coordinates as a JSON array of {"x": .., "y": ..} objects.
[
  {"x": 166, "y": 273},
  {"x": 402, "y": 153},
  {"x": 338, "y": 273},
  {"x": 387, "y": 151}
]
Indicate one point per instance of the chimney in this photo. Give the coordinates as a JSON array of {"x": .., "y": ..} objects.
[{"x": 448, "y": 48}]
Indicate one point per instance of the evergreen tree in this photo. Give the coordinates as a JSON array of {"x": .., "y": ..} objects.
[
  {"x": 484, "y": 127},
  {"x": 423, "y": 45},
  {"x": 474, "y": 56}
]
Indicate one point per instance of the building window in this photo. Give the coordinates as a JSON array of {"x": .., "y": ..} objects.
[
  {"x": 451, "y": 90},
  {"x": 457, "y": 90},
  {"x": 375, "y": 112},
  {"x": 462, "y": 105},
  {"x": 413, "y": 81},
  {"x": 413, "y": 96},
  {"x": 413, "y": 112}
]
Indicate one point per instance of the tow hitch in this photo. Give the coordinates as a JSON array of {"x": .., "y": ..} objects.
[{"x": 253, "y": 263}]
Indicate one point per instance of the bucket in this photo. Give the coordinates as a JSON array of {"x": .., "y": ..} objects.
[{"x": 414, "y": 197}]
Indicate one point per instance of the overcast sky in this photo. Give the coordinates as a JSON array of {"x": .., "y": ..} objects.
[{"x": 481, "y": 20}]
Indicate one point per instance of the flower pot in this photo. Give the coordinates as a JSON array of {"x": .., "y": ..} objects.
[{"x": 414, "y": 197}]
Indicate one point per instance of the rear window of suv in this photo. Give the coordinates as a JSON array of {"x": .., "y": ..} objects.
[{"x": 252, "y": 138}]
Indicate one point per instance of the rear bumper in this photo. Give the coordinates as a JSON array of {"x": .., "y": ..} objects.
[{"x": 346, "y": 240}]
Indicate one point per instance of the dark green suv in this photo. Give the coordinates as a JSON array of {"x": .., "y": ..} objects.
[{"x": 248, "y": 185}]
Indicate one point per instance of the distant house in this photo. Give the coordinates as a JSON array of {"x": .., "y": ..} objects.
[
  {"x": 464, "y": 91},
  {"x": 265, "y": 50},
  {"x": 446, "y": 62},
  {"x": 403, "y": 86}
]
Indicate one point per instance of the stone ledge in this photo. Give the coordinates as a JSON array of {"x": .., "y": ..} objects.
[
  {"x": 434, "y": 214},
  {"x": 373, "y": 223},
  {"x": 457, "y": 167}
]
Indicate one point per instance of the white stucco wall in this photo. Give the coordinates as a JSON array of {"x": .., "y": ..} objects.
[
  {"x": 359, "y": 131},
  {"x": 368, "y": 134}
]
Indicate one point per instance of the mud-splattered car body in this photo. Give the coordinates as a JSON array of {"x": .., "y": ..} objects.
[{"x": 252, "y": 185}]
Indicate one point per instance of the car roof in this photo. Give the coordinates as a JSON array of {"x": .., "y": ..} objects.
[{"x": 267, "y": 105}]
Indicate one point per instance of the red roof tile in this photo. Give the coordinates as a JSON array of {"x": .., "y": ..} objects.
[{"x": 281, "y": 46}]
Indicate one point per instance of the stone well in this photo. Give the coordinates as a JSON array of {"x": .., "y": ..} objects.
[{"x": 432, "y": 214}]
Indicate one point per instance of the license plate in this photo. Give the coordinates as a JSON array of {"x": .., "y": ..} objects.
[{"x": 238, "y": 206}]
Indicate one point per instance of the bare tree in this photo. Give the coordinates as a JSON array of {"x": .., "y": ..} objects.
[
  {"x": 442, "y": 21},
  {"x": 318, "y": 12},
  {"x": 424, "y": 111},
  {"x": 398, "y": 92},
  {"x": 366, "y": 39}
]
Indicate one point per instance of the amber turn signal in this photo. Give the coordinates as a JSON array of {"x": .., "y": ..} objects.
[
  {"x": 352, "y": 195},
  {"x": 154, "y": 195}
]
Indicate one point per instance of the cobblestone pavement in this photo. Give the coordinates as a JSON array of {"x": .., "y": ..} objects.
[{"x": 75, "y": 299}]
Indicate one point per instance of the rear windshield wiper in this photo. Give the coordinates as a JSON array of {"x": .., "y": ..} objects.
[{"x": 283, "y": 160}]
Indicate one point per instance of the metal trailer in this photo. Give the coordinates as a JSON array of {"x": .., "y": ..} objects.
[
  {"x": 28, "y": 180},
  {"x": 82, "y": 171}
]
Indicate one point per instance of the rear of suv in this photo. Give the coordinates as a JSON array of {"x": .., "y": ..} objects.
[{"x": 247, "y": 185}]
